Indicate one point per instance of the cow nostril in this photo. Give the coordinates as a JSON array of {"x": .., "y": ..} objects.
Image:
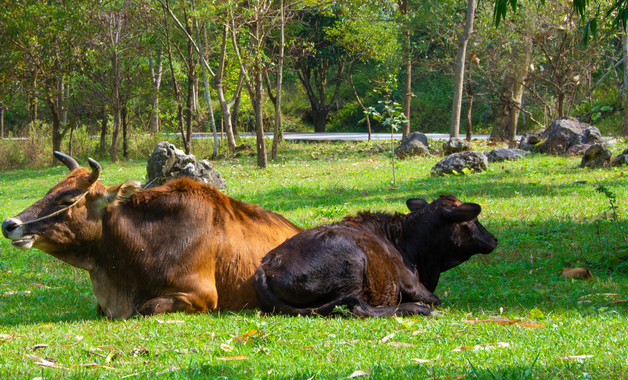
[{"x": 9, "y": 225}]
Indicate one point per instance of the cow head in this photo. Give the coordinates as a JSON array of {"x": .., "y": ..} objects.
[
  {"x": 444, "y": 234},
  {"x": 69, "y": 216}
]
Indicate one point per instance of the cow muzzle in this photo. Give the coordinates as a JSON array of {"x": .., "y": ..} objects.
[{"x": 13, "y": 229}]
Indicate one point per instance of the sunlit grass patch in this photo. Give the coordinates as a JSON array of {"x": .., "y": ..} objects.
[{"x": 509, "y": 314}]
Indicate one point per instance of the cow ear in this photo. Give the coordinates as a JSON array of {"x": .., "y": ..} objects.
[
  {"x": 416, "y": 203},
  {"x": 120, "y": 193},
  {"x": 462, "y": 213}
]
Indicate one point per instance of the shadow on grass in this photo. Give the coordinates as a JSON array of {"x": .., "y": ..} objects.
[
  {"x": 64, "y": 304},
  {"x": 241, "y": 369},
  {"x": 494, "y": 185}
]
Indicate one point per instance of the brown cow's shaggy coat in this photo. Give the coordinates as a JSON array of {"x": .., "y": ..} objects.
[
  {"x": 182, "y": 246},
  {"x": 375, "y": 264}
]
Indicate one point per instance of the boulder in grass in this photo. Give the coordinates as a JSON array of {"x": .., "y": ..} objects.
[
  {"x": 568, "y": 132},
  {"x": 414, "y": 144},
  {"x": 454, "y": 145},
  {"x": 503, "y": 154},
  {"x": 620, "y": 159},
  {"x": 596, "y": 156},
  {"x": 460, "y": 163},
  {"x": 167, "y": 162},
  {"x": 530, "y": 140}
]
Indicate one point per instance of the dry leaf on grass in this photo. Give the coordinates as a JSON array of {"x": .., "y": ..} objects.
[
  {"x": 498, "y": 320},
  {"x": 171, "y": 322},
  {"x": 37, "y": 346},
  {"x": 233, "y": 358},
  {"x": 400, "y": 344},
  {"x": 577, "y": 357},
  {"x": 7, "y": 337},
  {"x": 47, "y": 362},
  {"x": 505, "y": 321},
  {"x": 387, "y": 338},
  {"x": 420, "y": 361},
  {"x": 226, "y": 347},
  {"x": 359, "y": 373},
  {"x": 15, "y": 292},
  {"x": 78, "y": 338},
  {"x": 583, "y": 273},
  {"x": 478, "y": 347}
]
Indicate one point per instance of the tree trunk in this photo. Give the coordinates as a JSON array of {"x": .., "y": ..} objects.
[
  {"x": 463, "y": 39},
  {"x": 205, "y": 84},
  {"x": 625, "y": 56},
  {"x": 234, "y": 113},
  {"x": 175, "y": 84},
  {"x": 56, "y": 126},
  {"x": 33, "y": 101},
  {"x": 103, "y": 130},
  {"x": 469, "y": 106},
  {"x": 357, "y": 97},
  {"x": 155, "y": 81},
  {"x": 125, "y": 145},
  {"x": 115, "y": 103},
  {"x": 319, "y": 118},
  {"x": 190, "y": 107},
  {"x": 407, "y": 59},
  {"x": 277, "y": 129},
  {"x": 1, "y": 121}
]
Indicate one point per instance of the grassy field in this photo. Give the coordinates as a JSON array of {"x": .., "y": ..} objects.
[{"x": 509, "y": 314}]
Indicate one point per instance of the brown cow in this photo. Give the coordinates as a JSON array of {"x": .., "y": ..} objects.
[
  {"x": 375, "y": 264},
  {"x": 182, "y": 246}
]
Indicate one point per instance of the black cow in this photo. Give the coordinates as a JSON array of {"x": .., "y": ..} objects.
[{"x": 375, "y": 264}]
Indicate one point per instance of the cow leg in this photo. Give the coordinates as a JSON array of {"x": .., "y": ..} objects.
[
  {"x": 412, "y": 290},
  {"x": 180, "y": 302},
  {"x": 362, "y": 309}
]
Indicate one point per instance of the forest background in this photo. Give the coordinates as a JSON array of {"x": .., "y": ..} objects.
[{"x": 87, "y": 76}]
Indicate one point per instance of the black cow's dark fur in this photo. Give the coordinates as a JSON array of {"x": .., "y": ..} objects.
[{"x": 375, "y": 264}]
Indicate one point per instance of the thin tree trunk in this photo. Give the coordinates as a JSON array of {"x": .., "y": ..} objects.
[
  {"x": 33, "y": 101},
  {"x": 625, "y": 56},
  {"x": 103, "y": 130},
  {"x": 469, "y": 107},
  {"x": 56, "y": 126},
  {"x": 2, "y": 121},
  {"x": 206, "y": 84},
  {"x": 115, "y": 101},
  {"x": 277, "y": 129},
  {"x": 175, "y": 84},
  {"x": 189, "y": 107},
  {"x": 357, "y": 97},
  {"x": 463, "y": 39},
  {"x": 125, "y": 145},
  {"x": 155, "y": 81}
]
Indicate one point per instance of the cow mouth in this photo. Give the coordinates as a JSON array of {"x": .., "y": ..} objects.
[{"x": 25, "y": 242}]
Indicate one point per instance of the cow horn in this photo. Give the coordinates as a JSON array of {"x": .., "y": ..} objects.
[
  {"x": 67, "y": 160},
  {"x": 96, "y": 168}
]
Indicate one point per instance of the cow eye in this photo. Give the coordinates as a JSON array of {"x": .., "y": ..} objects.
[{"x": 65, "y": 202}]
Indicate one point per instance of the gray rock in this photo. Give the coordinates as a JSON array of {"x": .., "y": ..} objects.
[
  {"x": 414, "y": 144},
  {"x": 167, "y": 162},
  {"x": 567, "y": 132},
  {"x": 620, "y": 159},
  {"x": 503, "y": 154},
  {"x": 473, "y": 161},
  {"x": 596, "y": 156},
  {"x": 529, "y": 140},
  {"x": 455, "y": 146}
]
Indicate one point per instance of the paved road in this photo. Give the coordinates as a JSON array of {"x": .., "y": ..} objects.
[{"x": 341, "y": 136}]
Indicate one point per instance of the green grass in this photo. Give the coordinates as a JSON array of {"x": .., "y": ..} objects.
[{"x": 545, "y": 211}]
